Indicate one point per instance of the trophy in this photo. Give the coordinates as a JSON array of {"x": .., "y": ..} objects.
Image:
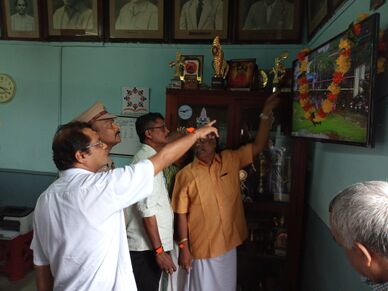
[
  {"x": 176, "y": 81},
  {"x": 278, "y": 71},
  {"x": 220, "y": 66}
]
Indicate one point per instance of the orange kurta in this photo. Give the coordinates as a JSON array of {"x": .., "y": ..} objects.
[{"x": 211, "y": 197}]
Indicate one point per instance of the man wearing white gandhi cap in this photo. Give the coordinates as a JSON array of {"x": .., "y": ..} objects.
[{"x": 103, "y": 123}]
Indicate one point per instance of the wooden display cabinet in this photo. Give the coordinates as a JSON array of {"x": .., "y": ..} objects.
[{"x": 261, "y": 266}]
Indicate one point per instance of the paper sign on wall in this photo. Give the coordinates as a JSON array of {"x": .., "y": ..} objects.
[{"x": 135, "y": 101}]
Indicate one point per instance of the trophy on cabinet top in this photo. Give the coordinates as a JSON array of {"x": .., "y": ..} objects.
[
  {"x": 220, "y": 66},
  {"x": 176, "y": 81},
  {"x": 278, "y": 71}
]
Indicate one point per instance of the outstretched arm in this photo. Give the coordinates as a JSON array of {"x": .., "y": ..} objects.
[
  {"x": 173, "y": 151},
  {"x": 265, "y": 124}
]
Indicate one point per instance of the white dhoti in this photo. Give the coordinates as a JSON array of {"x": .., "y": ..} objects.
[{"x": 215, "y": 274}]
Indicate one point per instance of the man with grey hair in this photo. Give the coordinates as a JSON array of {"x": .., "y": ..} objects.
[{"x": 358, "y": 222}]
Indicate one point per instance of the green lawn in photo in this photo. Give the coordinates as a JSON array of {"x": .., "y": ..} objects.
[{"x": 335, "y": 126}]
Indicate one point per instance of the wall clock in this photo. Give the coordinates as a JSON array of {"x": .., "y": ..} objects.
[
  {"x": 185, "y": 112},
  {"x": 7, "y": 88}
]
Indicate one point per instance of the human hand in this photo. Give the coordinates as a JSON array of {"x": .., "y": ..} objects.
[
  {"x": 271, "y": 102},
  {"x": 206, "y": 130},
  {"x": 185, "y": 259},
  {"x": 165, "y": 263}
]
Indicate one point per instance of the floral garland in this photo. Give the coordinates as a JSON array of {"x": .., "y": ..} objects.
[{"x": 343, "y": 64}]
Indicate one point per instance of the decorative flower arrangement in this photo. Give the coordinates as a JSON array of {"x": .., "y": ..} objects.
[{"x": 317, "y": 113}]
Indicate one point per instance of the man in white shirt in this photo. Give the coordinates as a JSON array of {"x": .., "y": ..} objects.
[
  {"x": 201, "y": 15},
  {"x": 74, "y": 14},
  {"x": 150, "y": 226},
  {"x": 138, "y": 15},
  {"x": 79, "y": 238},
  {"x": 21, "y": 21},
  {"x": 270, "y": 15}
]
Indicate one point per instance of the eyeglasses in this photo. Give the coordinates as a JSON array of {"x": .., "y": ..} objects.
[
  {"x": 99, "y": 143},
  {"x": 156, "y": 127}
]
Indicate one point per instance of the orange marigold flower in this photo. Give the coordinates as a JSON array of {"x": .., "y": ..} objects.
[
  {"x": 334, "y": 89},
  {"x": 321, "y": 114},
  {"x": 357, "y": 29},
  {"x": 331, "y": 96},
  {"x": 302, "y": 81},
  {"x": 327, "y": 106},
  {"x": 303, "y": 66},
  {"x": 304, "y": 88},
  {"x": 344, "y": 52},
  {"x": 307, "y": 115},
  {"x": 361, "y": 17},
  {"x": 382, "y": 46},
  {"x": 338, "y": 77},
  {"x": 344, "y": 43}
]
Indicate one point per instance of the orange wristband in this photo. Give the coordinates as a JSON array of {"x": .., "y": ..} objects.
[
  {"x": 159, "y": 250},
  {"x": 190, "y": 130}
]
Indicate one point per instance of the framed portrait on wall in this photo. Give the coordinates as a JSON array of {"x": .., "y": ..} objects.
[
  {"x": 21, "y": 19},
  {"x": 268, "y": 20},
  {"x": 200, "y": 20},
  {"x": 334, "y": 4},
  {"x": 317, "y": 14},
  {"x": 74, "y": 19},
  {"x": 374, "y": 4},
  {"x": 130, "y": 19}
]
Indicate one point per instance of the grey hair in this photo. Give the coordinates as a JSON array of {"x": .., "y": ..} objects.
[{"x": 360, "y": 213}]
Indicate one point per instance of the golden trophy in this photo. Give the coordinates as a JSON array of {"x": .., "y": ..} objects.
[
  {"x": 278, "y": 71},
  {"x": 176, "y": 81},
  {"x": 220, "y": 66}
]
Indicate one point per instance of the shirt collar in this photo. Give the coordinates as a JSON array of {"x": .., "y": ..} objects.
[
  {"x": 73, "y": 171},
  {"x": 217, "y": 158}
]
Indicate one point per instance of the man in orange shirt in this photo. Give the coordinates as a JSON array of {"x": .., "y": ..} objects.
[{"x": 209, "y": 210}]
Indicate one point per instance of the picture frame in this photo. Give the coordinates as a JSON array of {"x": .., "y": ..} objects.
[
  {"x": 284, "y": 26},
  {"x": 335, "y": 4},
  {"x": 130, "y": 142},
  {"x": 375, "y": 4},
  {"x": 148, "y": 24},
  {"x": 317, "y": 14},
  {"x": 210, "y": 24},
  {"x": 192, "y": 67},
  {"x": 241, "y": 74},
  {"x": 83, "y": 25},
  {"x": 21, "y": 19}
]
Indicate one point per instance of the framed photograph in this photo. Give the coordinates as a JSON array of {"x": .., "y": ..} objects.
[
  {"x": 317, "y": 14},
  {"x": 241, "y": 74},
  {"x": 130, "y": 19},
  {"x": 374, "y": 4},
  {"x": 192, "y": 66},
  {"x": 130, "y": 142},
  {"x": 200, "y": 20},
  {"x": 74, "y": 20},
  {"x": 334, "y": 4},
  {"x": 21, "y": 18},
  {"x": 268, "y": 21}
]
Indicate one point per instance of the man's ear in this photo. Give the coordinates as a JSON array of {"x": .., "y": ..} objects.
[
  {"x": 147, "y": 134},
  {"x": 80, "y": 156},
  {"x": 364, "y": 253}
]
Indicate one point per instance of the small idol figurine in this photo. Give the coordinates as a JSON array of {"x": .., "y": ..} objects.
[
  {"x": 220, "y": 66},
  {"x": 278, "y": 71}
]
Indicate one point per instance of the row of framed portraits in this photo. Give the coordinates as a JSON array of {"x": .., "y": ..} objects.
[{"x": 236, "y": 21}]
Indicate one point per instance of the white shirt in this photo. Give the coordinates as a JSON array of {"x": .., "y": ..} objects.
[
  {"x": 138, "y": 17},
  {"x": 158, "y": 204},
  {"x": 22, "y": 22},
  {"x": 79, "y": 227}
]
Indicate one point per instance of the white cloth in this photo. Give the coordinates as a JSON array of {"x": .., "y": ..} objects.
[
  {"x": 211, "y": 16},
  {"x": 158, "y": 204},
  {"x": 134, "y": 16},
  {"x": 79, "y": 227},
  {"x": 219, "y": 273},
  {"x": 177, "y": 280},
  {"x": 22, "y": 22},
  {"x": 81, "y": 17}
]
